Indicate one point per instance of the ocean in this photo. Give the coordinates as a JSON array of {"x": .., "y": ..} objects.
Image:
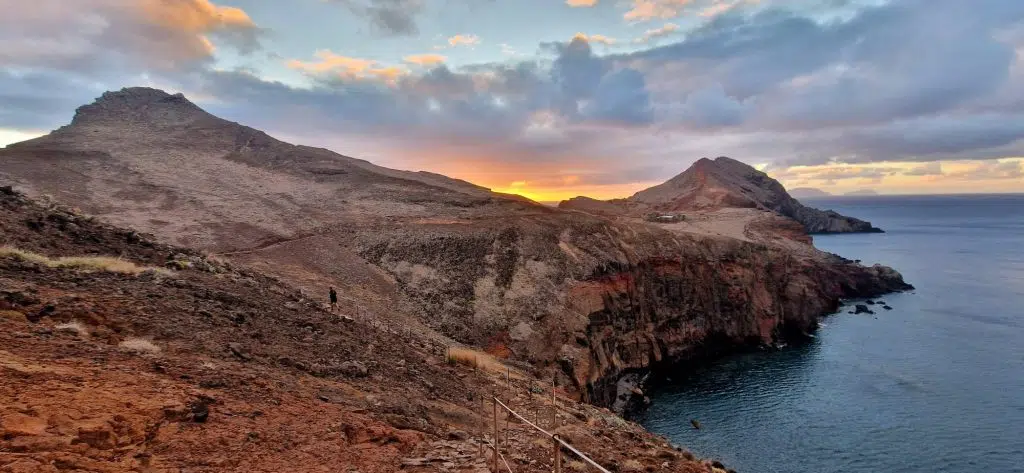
[{"x": 935, "y": 385}]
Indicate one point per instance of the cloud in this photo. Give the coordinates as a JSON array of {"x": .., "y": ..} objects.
[
  {"x": 346, "y": 67},
  {"x": 464, "y": 40},
  {"x": 930, "y": 169},
  {"x": 56, "y": 55},
  {"x": 596, "y": 38},
  {"x": 580, "y": 3},
  {"x": 621, "y": 97},
  {"x": 992, "y": 171},
  {"x": 389, "y": 17},
  {"x": 709, "y": 107},
  {"x": 666, "y": 30},
  {"x": 913, "y": 81},
  {"x": 645, "y": 10},
  {"x": 425, "y": 59},
  {"x": 122, "y": 34}
]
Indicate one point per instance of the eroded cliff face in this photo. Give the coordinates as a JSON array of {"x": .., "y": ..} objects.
[
  {"x": 667, "y": 313},
  {"x": 589, "y": 300}
]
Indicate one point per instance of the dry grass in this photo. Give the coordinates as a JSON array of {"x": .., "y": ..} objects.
[
  {"x": 139, "y": 345},
  {"x": 576, "y": 465},
  {"x": 74, "y": 327},
  {"x": 13, "y": 316},
  {"x": 83, "y": 263},
  {"x": 474, "y": 359}
]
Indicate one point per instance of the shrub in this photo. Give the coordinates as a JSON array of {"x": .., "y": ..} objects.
[
  {"x": 74, "y": 327},
  {"x": 473, "y": 359},
  {"x": 139, "y": 345},
  {"x": 83, "y": 263},
  {"x": 13, "y": 316},
  {"x": 23, "y": 255},
  {"x": 576, "y": 465}
]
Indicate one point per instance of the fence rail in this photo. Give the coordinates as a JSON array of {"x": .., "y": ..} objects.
[{"x": 556, "y": 440}]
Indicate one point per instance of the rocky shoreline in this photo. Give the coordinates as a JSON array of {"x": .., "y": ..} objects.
[
  {"x": 659, "y": 320},
  {"x": 633, "y": 388}
]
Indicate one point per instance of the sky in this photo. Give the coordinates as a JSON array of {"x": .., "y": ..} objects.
[{"x": 557, "y": 98}]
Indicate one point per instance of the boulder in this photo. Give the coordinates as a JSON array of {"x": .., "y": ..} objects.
[
  {"x": 14, "y": 425},
  {"x": 862, "y": 309}
]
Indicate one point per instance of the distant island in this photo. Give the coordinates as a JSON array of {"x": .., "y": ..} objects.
[
  {"x": 862, "y": 192},
  {"x": 805, "y": 192}
]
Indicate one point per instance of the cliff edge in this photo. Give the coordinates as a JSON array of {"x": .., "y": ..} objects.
[{"x": 580, "y": 298}]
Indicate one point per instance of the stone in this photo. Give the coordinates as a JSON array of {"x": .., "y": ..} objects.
[
  {"x": 886, "y": 307},
  {"x": 98, "y": 435},
  {"x": 354, "y": 369},
  {"x": 862, "y": 309},
  {"x": 239, "y": 351},
  {"x": 28, "y": 465},
  {"x": 458, "y": 435},
  {"x": 200, "y": 409},
  {"x": 15, "y": 425}
]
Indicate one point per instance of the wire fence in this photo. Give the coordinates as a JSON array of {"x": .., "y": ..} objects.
[
  {"x": 557, "y": 441},
  {"x": 361, "y": 314}
]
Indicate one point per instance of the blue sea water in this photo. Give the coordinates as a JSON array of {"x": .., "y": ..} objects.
[{"x": 935, "y": 385}]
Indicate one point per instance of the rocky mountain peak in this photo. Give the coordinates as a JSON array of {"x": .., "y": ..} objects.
[
  {"x": 711, "y": 184},
  {"x": 139, "y": 104}
]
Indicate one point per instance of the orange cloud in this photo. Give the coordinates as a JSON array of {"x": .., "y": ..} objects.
[
  {"x": 665, "y": 30},
  {"x": 199, "y": 16},
  {"x": 425, "y": 59},
  {"x": 964, "y": 176},
  {"x": 580, "y": 3},
  {"x": 596, "y": 38},
  {"x": 644, "y": 10},
  {"x": 464, "y": 40},
  {"x": 348, "y": 67},
  {"x": 330, "y": 61}
]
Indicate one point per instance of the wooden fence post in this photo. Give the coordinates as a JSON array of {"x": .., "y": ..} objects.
[
  {"x": 554, "y": 405},
  {"x": 495, "y": 435},
  {"x": 558, "y": 454}
]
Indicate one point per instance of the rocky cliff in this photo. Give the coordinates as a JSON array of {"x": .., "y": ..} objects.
[
  {"x": 584, "y": 297},
  {"x": 593, "y": 300}
]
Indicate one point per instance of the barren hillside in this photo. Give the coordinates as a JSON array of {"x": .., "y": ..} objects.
[
  {"x": 583, "y": 298},
  {"x": 159, "y": 359}
]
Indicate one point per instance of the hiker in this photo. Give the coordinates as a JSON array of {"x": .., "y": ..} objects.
[{"x": 334, "y": 299}]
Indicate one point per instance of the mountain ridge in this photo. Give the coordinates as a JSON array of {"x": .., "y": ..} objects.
[
  {"x": 584, "y": 299},
  {"x": 724, "y": 182}
]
